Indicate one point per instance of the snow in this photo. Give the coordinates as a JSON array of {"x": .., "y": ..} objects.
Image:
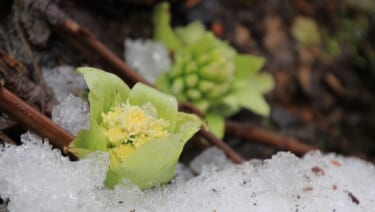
[
  {"x": 212, "y": 158},
  {"x": 64, "y": 80},
  {"x": 147, "y": 57},
  {"x": 72, "y": 114},
  {"x": 35, "y": 178}
]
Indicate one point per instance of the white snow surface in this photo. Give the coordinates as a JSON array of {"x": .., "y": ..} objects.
[
  {"x": 35, "y": 178},
  {"x": 147, "y": 57},
  {"x": 64, "y": 80},
  {"x": 72, "y": 114}
]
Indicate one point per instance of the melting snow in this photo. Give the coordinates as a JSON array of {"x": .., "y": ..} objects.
[{"x": 35, "y": 178}]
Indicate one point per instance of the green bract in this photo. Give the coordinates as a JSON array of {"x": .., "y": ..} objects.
[
  {"x": 140, "y": 128},
  {"x": 210, "y": 73}
]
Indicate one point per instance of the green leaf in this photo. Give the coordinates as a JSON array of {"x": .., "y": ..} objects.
[
  {"x": 191, "y": 33},
  {"x": 253, "y": 100},
  {"x": 155, "y": 161},
  {"x": 247, "y": 65},
  {"x": 187, "y": 125},
  {"x": 106, "y": 91},
  {"x": 165, "y": 104},
  {"x": 162, "y": 82},
  {"x": 151, "y": 164},
  {"x": 306, "y": 31},
  {"x": 163, "y": 31},
  {"x": 263, "y": 82},
  {"x": 227, "y": 106},
  {"x": 92, "y": 139},
  {"x": 216, "y": 124},
  {"x": 80, "y": 152}
]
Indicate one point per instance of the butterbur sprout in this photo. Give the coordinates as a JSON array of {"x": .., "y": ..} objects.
[
  {"x": 210, "y": 73},
  {"x": 140, "y": 128}
]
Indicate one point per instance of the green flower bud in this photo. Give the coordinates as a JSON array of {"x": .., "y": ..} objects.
[
  {"x": 202, "y": 68},
  {"x": 194, "y": 94},
  {"x": 178, "y": 85},
  {"x": 218, "y": 91},
  {"x": 191, "y": 80},
  {"x": 206, "y": 86}
]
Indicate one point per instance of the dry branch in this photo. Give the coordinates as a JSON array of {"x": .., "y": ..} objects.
[
  {"x": 266, "y": 137},
  {"x": 33, "y": 119},
  {"x": 229, "y": 152},
  {"x": 82, "y": 38}
]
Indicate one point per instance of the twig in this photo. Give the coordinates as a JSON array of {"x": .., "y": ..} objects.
[
  {"x": 266, "y": 137},
  {"x": 33, "y": 119},
  {"x": 81, "y": 36},
  {"x": 190, "y": 108},
  {"x": 229, "y": 152}
]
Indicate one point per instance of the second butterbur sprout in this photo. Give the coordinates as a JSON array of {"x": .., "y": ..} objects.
[
  {"x": 202, "y": 72},
  {"x": 210, "y": 73}
]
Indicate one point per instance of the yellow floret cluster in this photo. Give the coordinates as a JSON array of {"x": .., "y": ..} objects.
[{"x": 129, "y": 126}]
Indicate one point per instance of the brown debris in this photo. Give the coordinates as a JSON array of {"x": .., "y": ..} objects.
[
  {"x": 15, "y": 77},
  {"x": 334, "y": 84},
  {"x": 352, "y": 197},
  {"x": 318, "y": 171},
  {"x": 307, "y": 189},
  {"x": 242, "y": 36},
  {"x": 191, "y": 3},
  {"x": 5, "y": 139},
  {"x": 218, "y": 29},
  {"x": 335, "y": 163},
  {"x": 304, "y": 6}
]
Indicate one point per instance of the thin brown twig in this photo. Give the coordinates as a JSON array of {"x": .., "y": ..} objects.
[
  {"x": 229, "y": 152},
  {"x": 190, "y": 108},
  {"x": 266, "y": 137},
  {"x": 84, "y": 37},
  {"x": 33, "y": 119}
]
